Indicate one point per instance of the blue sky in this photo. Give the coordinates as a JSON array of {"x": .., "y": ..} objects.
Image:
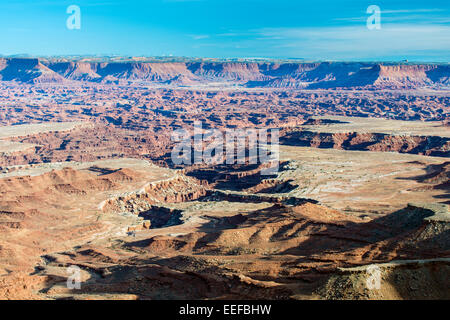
[{"x": 313, "y": 30}]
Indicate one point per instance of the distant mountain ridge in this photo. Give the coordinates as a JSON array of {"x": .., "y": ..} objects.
[{"x": 320, "y": 75}]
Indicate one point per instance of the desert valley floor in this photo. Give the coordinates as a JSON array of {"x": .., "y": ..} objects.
[{"x": 86, "y": 180}]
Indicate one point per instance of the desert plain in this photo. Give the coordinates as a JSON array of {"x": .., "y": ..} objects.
[{"x": 87, "y": 180}]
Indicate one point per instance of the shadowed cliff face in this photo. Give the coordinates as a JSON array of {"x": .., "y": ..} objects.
[
  {"x": 326, "y": 75},
  {"x": 426, "y": 145},
  {"x": 27, "y": 70},
  {"x": 440, "y": 74}
]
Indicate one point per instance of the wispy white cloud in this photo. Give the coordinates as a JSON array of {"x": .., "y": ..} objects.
[
  {"x": 433, "y": 15},
  {"x": 359, "y": 42},
  {"x": 412, "y": 18},
  {"x": 413, "y": 10},
  {"x": 229, "y": 34},
  {"x": 199, "y": 36}
]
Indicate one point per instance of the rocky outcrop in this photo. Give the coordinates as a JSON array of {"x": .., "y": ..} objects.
[
  {"x": 176, "y": 189},
  {"x": 232, "y": 196},
  {"x": 409, "y": 280},
  {"x": 425, "y": 145}
]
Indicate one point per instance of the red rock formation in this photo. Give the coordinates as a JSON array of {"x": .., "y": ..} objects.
[{"x": 278, "y": 75}]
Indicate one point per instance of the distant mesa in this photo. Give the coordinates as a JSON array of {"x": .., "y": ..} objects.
[{"x": 295, "y": 75}]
